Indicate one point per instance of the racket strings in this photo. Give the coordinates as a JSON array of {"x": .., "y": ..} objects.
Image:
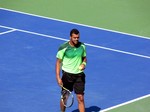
[{"x": 67, "y": 98}]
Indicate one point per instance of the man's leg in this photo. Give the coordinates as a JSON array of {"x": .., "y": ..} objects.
[
  {"x": 62, "y": 107},
  {"x": 79, "y": 88},
  {"x": 67, "y": 83},
  {"x": 81, "y": 105}
]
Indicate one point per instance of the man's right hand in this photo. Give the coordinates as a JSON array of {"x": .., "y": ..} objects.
[{"x": 59, "y": 81}]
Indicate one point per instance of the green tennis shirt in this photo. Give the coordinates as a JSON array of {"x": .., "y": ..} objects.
[{"x": 71, "y": 57}]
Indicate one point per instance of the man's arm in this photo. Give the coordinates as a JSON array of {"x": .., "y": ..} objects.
[
  {"x": 57, "y": 68},
  {"x": 84, "y": 61}
]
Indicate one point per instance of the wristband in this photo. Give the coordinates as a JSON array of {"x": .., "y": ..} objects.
[{"x": 84, "y": 63}]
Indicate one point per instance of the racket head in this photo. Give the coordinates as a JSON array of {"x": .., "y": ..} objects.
[{"x": 67, "y": 97}]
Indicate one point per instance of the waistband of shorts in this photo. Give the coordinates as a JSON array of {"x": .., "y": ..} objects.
[{"x": 78, "y": 74}]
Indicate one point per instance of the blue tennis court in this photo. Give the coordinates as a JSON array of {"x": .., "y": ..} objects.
[{"x": 117, "y": 69}]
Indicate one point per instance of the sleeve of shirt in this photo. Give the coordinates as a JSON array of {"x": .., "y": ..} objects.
[
  {"x": 60, "y": 53},
  {"x": 84, "y": 53}
]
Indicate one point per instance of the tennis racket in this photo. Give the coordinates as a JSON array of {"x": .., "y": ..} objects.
[{"x": 67, "y": 97}]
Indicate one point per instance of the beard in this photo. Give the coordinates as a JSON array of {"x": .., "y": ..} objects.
[{"x": 75, "y": 42}]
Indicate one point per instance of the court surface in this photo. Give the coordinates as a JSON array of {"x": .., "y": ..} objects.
[{"x": 117, "y": 72}]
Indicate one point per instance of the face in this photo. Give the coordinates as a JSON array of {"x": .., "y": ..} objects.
[{"x": 74, "y": 38}]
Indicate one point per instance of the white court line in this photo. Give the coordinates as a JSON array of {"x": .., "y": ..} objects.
[
  {"x": 128, "y": 102},
  {"x": 9, "y": 31},
  {"x": 92, "y": 45},
  {"x": 75, "y": 23}
]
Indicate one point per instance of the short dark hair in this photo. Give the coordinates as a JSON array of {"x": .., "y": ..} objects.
[{"x": 75, "y": 31}]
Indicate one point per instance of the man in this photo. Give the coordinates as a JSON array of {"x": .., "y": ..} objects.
[{"x": 71, "y": 58}]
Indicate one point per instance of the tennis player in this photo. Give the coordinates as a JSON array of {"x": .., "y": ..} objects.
[{"x": 71, "y": 59}]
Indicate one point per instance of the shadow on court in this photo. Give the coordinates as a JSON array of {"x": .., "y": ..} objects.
[{"x": 90, "y": 109}]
